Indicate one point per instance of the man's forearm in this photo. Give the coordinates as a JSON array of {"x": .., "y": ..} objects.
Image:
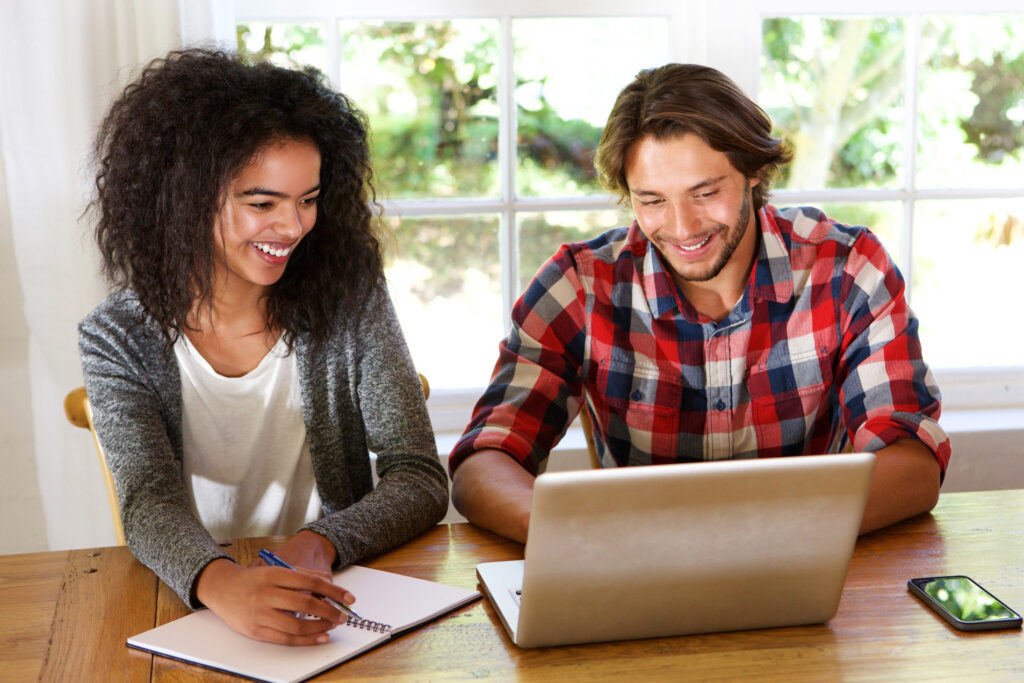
[
  {"x": 905, "y": 483},
  {"x": 494, "y": 492}
]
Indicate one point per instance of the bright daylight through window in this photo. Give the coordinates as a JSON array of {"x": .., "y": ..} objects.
[
  {"x": 432, "y": 91},
  {"x": 484, "y": 131},
  {"x": 936, "y": 166}
]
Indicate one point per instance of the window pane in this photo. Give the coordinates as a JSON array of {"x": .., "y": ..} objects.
[
  {"x": 568, "y": 74},
  {"x": 834, "y": 89},
  {"x": 430, "y": 90},
  {"x": 288, "y": 45},
  {"x": 446, "y": 284},
  {"x": 884, "y": 219},
  {"x": 967, "y": 262},
  {"x": 972, "y": 102},
  {"x": 541, "y": 234}
]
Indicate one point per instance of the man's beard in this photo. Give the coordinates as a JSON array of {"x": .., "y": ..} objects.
[{"x": 730, "y": 241}]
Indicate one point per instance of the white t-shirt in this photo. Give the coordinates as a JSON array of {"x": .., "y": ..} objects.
[{"x": 247, "y": 465}]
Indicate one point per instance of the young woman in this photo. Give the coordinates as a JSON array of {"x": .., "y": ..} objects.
[{"x": 249, "y": 358}]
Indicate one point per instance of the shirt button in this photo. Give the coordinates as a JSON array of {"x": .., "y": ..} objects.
[
  {"x": 720, "y": 405},
  {"x": 636, "y": 396}
]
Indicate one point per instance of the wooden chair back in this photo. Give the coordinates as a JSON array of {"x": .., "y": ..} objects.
[
  {"x": 79, "y": 413},
  {"x": 588, "y": 433}
]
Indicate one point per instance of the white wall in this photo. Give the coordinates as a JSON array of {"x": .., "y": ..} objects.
[
  {"x": 986, "y": 460},
  {"x": 62, "y": 62},
  {"x": 22, "y": 526}
]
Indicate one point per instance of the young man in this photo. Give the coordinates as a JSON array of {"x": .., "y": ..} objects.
[{"x": 716, "y": 326}]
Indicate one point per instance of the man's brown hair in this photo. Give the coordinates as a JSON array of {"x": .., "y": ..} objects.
[{"x": 675, "y": 99}]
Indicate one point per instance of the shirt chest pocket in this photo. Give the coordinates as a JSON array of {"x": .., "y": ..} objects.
[
  {"x": 787, "y": 393},
  {"x": 782, "y": 376},
  {"x": 639, "y": 386},
  {"x": 643, "y": 405}
]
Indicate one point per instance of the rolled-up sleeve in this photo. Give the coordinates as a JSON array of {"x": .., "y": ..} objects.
[
  {"x": 887, "y": 390},
  {"x": 535, "y": 389}
]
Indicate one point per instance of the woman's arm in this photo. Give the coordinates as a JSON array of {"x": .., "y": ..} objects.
[
  {"x": 368, "y": 397},
  {"x": 135, "y": 398},
  {"x": 135, "y": 395}
]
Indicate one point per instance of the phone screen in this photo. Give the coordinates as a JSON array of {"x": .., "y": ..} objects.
[{"x": 964, "y": 599}]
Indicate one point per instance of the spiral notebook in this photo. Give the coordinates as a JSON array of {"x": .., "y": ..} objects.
[
  {"x": 666, "y": 550},
  {"x": 389, "y": 603}
]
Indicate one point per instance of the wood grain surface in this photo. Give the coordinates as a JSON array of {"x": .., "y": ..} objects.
[{"x": 64, "y": 621}]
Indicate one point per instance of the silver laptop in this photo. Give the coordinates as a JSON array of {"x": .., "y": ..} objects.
[{"x": 642, "y": 552}]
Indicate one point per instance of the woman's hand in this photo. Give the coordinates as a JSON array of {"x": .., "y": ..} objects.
[
  {"x": 309, "y": 550},
  {"x": 261, "y": 602}
]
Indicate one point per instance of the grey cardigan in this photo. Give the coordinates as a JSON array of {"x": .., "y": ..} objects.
[{"x": 359, "y": 394}]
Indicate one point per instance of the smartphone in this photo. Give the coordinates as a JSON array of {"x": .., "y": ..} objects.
[{"x": 963, "y": 603}]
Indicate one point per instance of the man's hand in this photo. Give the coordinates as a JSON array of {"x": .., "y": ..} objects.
[{"x": 493, "y": 491}]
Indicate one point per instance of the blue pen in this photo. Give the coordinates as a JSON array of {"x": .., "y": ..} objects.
[{"x": 275, "y": 561}]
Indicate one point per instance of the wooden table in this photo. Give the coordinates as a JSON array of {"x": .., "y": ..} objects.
[{"x": 66, "y": 616}]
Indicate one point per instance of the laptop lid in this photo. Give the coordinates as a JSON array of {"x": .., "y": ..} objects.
[{"x": 661, "y": 550}]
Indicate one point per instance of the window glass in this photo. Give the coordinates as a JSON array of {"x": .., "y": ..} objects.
[
  {"x": 834, "y": 89},
  {"x": 967, "y": 261},
  {"x": 972, "y": 102},
  {"x": 430, "y": 91},
  {"x": 565, "y": 88},
  {"x": 288, "y": 45},
  {"x": 542, "y": 233},
  {"x": 445, "y": 280}
]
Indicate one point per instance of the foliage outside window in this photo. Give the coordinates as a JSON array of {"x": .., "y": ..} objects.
[
  {"x": 483, "y": 176},
  {"x": 950, "y": 153},
  {"x": 431, "y": 90}
]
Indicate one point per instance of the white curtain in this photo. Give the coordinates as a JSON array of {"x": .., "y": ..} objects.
[{"x": 61, "y": 63}]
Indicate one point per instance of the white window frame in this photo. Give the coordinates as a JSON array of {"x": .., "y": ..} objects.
[{"x": 725, "y": 34}]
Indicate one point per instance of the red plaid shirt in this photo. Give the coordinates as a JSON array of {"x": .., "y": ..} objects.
[{"x": 821, "y": 351}]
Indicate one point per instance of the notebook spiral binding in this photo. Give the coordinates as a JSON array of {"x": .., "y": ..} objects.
[{"x": 376, "y": 626}]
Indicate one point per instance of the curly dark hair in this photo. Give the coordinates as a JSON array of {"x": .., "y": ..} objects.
[
  {"x": 167, "y": 151},
  {"x": 689, "y": 98}
]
